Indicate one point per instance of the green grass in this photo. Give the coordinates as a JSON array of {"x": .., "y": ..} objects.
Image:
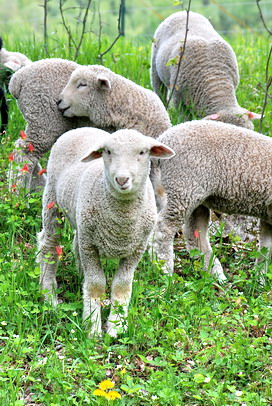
[{"x": 189, "y": 341}]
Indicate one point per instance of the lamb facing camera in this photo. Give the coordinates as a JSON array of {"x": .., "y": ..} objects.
[{"x": 111, "y": 205}]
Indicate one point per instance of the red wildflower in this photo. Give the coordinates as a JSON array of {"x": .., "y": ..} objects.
[
  {"x": 13, "y": 187},
  {"x": 196, "y": 234},
  {"x": 42, "y": 171},
  {"x": 50, "y": 205},
  {"x": 250, "y": 114},
  {"x": 11, "y": 157},
  {"x": 24, "y": 168},
  {"x": 59, "y": 250},
  {"x": 22, "y": 134},
  {"x": 30, "y": 147}
]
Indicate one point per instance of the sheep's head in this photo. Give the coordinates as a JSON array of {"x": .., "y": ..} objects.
[
  {"x": 85, "y": 94},
  {"x": 237, "y": 116},
  {"x": 126, "y": 155}
]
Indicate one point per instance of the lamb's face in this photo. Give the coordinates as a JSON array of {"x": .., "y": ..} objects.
[
  {"x": 84, "y": 94},
  {"x": 126, "y": 155}
]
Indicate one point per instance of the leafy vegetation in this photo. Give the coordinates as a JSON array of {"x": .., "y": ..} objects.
[{"x": 189, "y": 340}]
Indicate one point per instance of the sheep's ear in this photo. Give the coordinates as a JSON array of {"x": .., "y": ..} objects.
[
  {"x": 254, "y": 116},
  {"x": 13, "y": 64},
  {"x": 212, "y": 117},
  {"x": 161, "y": 151},
  {"x": 92, "y": 155},
  {"x": 103, "y": 83}
]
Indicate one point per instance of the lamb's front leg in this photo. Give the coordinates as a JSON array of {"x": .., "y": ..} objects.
[
  {"x": 120, "y": 294},
  {"x": 93, "y": 287}
]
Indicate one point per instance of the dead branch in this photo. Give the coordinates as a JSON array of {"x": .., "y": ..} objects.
[
  {"x": 180, "y": 56},
  {"x": 268, "y": 78},
  {"x": 120, "y": 31}
]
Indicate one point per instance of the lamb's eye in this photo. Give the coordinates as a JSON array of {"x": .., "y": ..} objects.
[
  {"x": 108, "y": 152},
  {"x": 141, "y": 153},
  {"x": 81, "y": 84}
]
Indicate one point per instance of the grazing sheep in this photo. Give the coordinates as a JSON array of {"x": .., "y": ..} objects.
[
  {"x": 109, "y": 202},
  {"x": 36, "y": 88},
  {"x": 111, "y": 100},
  {"x": 12, "y": 61},
  {"x": 220, "y": 167},
  {"x": 208, "y": 73}
]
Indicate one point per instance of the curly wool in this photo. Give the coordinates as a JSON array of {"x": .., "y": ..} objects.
[
  {"x": 217, "y": 166},
  {"x": 109, "y": 99},
  {"x": 110, "y": 203},
  {"x": 36, "y": 88},
  {"x": 208, "y": 75}
]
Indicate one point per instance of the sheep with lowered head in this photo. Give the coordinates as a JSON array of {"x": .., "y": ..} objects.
[
  {"x": 218, "y": 167},
  {"x": 208, "y": 75},
  {"x": 36, "y": 88},
  {"x": 110, "y": 203}
]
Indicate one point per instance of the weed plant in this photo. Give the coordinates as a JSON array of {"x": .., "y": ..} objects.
[{"x": 189, "y": 342}]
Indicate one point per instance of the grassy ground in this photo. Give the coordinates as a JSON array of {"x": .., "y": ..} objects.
[{"x": 189, "y": 341}]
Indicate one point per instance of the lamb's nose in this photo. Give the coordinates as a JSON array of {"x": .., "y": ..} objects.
[
  {"x": 121, "y": 180},
  {"x": 58, "y": 102}
]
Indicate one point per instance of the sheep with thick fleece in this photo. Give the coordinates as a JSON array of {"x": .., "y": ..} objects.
[
  {"x": 12, "y": 61},
  {"x": 218, "y": 167},
  {"x": 208, "y": 75},
  {"x": 36, "y": 88},
  {"x": 110, "y": 100},
  {"x": 110, "y": 203}
]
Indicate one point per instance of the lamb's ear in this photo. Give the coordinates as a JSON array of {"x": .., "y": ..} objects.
[
  {"x": 92, "y": 155},
  {"x": 160, "y": 150},
  {"x": 103, "y": 83},
  {"x": 254, "y": 116}
]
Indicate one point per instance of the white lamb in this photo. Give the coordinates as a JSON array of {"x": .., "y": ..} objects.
[
  {"x": 218, "y": 167},
  {"x": 208, "y": 75},
  {"x": 110, "y": 100},
  {"x": 109, "y": 202}
]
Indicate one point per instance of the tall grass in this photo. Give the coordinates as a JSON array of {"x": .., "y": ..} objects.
[{"x": 189, "y": 341}]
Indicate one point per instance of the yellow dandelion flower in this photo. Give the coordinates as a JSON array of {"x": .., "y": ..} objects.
[
  {"x": 106, "y": 384},
  {"x": 99, "y": 392},
  {"x": 113, "y": 394}
]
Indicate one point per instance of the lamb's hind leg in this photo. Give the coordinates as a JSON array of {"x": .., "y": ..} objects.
[
  {"x": 196, "y": 234},
  {"x": 48, "y": 240},
  {"x": 265, "y": 243}
]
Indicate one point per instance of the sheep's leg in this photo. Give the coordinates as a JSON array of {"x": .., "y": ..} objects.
[
  {"x": 93, "y": 287},
  {"x": 24, "y": 171},
  {"x": 265, "y": 244},
  {"x": 163, "y": 240},
  {"x": 120, "y": 294},
  {"x": 196, "y": 234},
  {"x": 157, "y": 84},
  {"x": 48, "y": 240}
]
